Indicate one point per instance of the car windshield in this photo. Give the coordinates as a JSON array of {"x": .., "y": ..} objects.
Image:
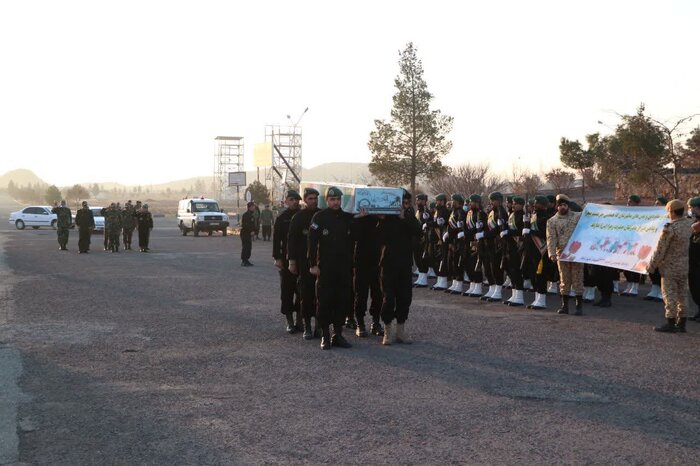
[
  {"x": 205, "y": 207},
  {"x": 96, "y": 212}
]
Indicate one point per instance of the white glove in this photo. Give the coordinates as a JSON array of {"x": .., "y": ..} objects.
[
  {"x": 426, "y": 215},
  {"x": 460, "y": 235},
  {"x": 526, "y": 231},
  {"x": 440, "y": 221},
  {"x": 479, "y": 225},
  {"x": 500, "y": 222},
  {"x": 526, "y": 218},
  {"x": 445, "y": 236},
  {"x": 460, "y": 224},
  {"x": 504, "y": 233},
  {"x": 479, "y": 236},
  {"x": 425, "y": 226}
]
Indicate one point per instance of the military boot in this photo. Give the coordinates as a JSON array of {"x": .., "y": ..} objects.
[
  {"x": 604, "y": 300},
  {"x": 325, "y": 338},
  {"x": 291, "y": 328},
  {"x": 680, "y": 325},
  {"x": 308, "y": 333},
  {"x": 579, "y": 305},
  {"x": 299, "y": 322},
  {"x": 668, "y": 327},
  {"x": 564, "y": 309},
  {"x": 376, "y": 328},
  {"x": 361, "y": 330},
  {"x": 338, "y": 339}
]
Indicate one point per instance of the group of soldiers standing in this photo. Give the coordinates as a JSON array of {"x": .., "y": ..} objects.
[
  {"x": 119, "y": 225},
  {"x": 332, "y": 262}
]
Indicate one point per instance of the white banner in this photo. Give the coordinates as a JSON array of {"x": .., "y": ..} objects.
[{"x": 616, "y": 236}]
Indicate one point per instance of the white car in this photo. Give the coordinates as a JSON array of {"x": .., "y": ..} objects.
[
  {"x": 99, "y": 218},
  {"x": 201, "y": 215},
  {"x": 33, "y": 216}
]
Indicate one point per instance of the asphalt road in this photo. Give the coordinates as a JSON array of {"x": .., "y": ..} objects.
[{"x": 179, "y": 356}]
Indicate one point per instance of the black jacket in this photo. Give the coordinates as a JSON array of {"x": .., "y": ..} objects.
[
  {"x": 279, "y": 234},
  {"x": 396, "y": 240},
  {"x": 331, "y": 239},
  {"x": 298, "y": 237}
]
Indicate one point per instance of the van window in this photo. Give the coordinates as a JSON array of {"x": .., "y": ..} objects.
[{"x": 205, "y": 207}]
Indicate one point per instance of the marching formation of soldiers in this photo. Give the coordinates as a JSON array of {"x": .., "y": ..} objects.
[
  {"x": 332, "y": 262},
  {"x": 119, "y": 225}
]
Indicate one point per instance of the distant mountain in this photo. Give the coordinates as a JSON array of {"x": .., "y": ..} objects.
[{"x": 20, "y": 177}]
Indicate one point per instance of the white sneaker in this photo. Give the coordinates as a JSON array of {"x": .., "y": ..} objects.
[
  {"x": 491, "y": 291},
  {"x": 478, "y": 291},
  {"x": 497, "y": 294},
  {"x": 422, "y": 281},
  {"x": 517, "y": 299},
  {"x": 540, "y": 302},
  {"x": 441, "y": 284},
  {"x": 458, "y": 288}
]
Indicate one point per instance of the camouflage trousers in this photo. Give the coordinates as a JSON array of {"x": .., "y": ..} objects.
[
  {"x": 62, "y": 234},
  {"x": 674, "y": 289},
  {"x": 113, "y": 238},
  {"x": 570, "y": 277}
]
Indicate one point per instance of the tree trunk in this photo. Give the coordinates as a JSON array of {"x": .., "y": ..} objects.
[{"x": 583, "y": 187}]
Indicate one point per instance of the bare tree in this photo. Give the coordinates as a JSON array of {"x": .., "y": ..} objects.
[
  {"x": 524, "y": 182},
  {"x": 468, "y": 179},
  {"x": 561, "y": 180}
]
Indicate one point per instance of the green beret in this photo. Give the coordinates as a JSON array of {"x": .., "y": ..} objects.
[
  {"x": 293, "y": 194},
  {"x": 518, "y": 200},
  {"x": 458, "y": 198},
  {"x": 511, "y": 198},
  {"x": 542, "y": 200},
  {"x": 662, "y": 200},
  {"x": 551, "y": 198},
  {"x": 310, "y": 192},
  {"x": 334, "y": 192},
  {"x": 634, "y": 198},
  {"x": 474, "y": 198},
  {"x": 432, "y": 205},
  {"x": 441, "y": 197},
  {"x": 422, "y": 197},
  {"x": 496, "y": 196},
  {"x": 694, "y": 202}
]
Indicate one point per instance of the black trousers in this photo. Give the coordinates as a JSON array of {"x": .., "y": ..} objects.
[
  {"x": 144, "y": 236},
  {"x": 334, "y": 289},
  {"x": 604, "y": 277},
  {"x": 247, "y": 243},
  {"x": 84, "y": 239},
  {"x": 543, "y": 274},
  {"x": 266, "y": 231},
  {"x": 631, "y": 277},
  {"x": 366, "y": 285},
  {"x": 455, "y": 266},
  {"x": 289, "y": 293},
  {"x": 306, "y": 286},
  {"x": 656, "y": 278},
  {"x": 397, "y": 293},
  {"x": 588, "y": 275},
  {"x": 475, "y": 274},
  {"x": 421, "y": 256},
  {"x": 694, "y": 284},
  {"x": 492, "y": 267},
  {"x": 128, "y": 235},
  {"x": 513, "y": 262},
  {"x": 444, "y": 266}
]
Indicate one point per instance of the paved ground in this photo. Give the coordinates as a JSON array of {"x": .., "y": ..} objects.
[{"x": 180, "y": 357}]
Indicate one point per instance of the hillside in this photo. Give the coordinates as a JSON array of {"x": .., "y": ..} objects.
[{"x": 21, "y": 177}]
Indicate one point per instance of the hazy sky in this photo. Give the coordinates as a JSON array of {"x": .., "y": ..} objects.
[{"x": 136, "y": 91}]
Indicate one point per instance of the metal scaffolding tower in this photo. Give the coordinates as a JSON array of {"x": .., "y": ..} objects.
[
  {"x": 285, "y": 172},
  {"x": 228, "y": 160}
]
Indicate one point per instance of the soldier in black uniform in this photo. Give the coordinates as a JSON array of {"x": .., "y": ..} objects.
[
  {"x": 535, "y": 247},
  {"x": 247, "y": 230},
  {"x": 423, "y": 251},
  {"x": 493, "y": 267},
  {"x": 475, "y": 253},
  {"x": 694, "y": 257},
  {"x": 330, "y": 259},
  {"x": 440, "y": 219},
  {"x": 396, "y": 235},
  {"x": 366, "y": 275},
  {"x": 288, "y": 287},
  {"x": 86, "y": 223},
  {"x": 145, "y": 223},
  {"x": 455, "y": 245},
  {"x": 512, "y": 237},
  {"x": 297, "y": 242}
]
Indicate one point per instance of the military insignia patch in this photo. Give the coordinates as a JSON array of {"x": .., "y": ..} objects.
[
  {"x": 325, "y": 232},
  {"x": 314, "y": 226}
]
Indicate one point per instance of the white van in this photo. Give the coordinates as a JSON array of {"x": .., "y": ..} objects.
[{"x": 200, "y": 214}]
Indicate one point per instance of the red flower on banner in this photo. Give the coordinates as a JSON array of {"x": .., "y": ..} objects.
[
  {"x": 641, "y": 266},
  {"x": 575, "y": 246},
  {"x": 644, "y": 251}
]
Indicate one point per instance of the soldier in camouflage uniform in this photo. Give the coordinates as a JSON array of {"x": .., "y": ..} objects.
[
  {"x": 128, "y": 223},
  {"x": 694, "y": 256},
  {"x": 671, "y": 259},
  {"x": 113, "y": 227},
  {"x": 559, "y": 229},
  {"x": 64, "y": 219}
]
